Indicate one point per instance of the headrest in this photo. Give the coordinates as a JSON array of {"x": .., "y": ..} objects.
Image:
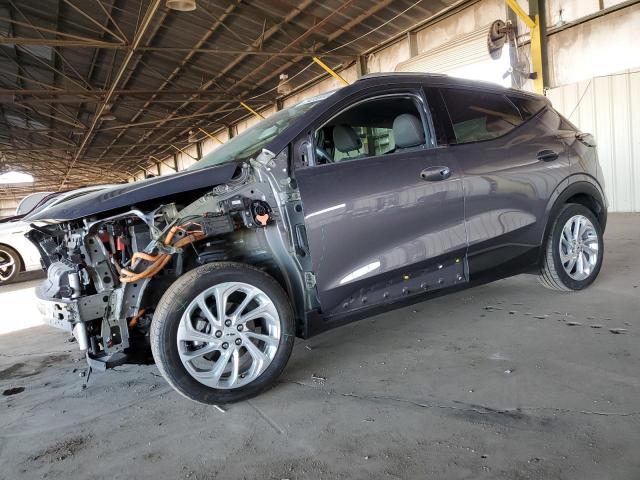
[
  {"x": 346, "y": 139},
  {"x": 408, "y": 131}
]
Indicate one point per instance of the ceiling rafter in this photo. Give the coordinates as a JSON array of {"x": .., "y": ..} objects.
[
  {"x": 188, "y": 57},
  {"x": 183, "y": 74},
  {"x": 267, "y": 34},
  {"x": 153, "y": 7},
  {"x": 331, "y": 38}
]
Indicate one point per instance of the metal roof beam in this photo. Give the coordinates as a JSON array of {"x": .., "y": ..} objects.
[
  {"x": 94, "y": 21},
  {"x": 277, "y": 71},
  {"x": 265, "y": 36},
  {"x": 102, "y": 93},
  {"x": 261, "y": 53},
  {"x": 153, "y": 7},
  {"x": 203, "y": 39},
  {"x": 53, "y": 42},
  {"x": 41, "y": 29}
]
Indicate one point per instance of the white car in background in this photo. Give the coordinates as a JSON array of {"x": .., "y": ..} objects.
[{"x": 17, "y": 254}]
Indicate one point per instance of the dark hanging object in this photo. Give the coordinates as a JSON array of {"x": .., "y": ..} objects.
[{"x": 498, "y": 35}]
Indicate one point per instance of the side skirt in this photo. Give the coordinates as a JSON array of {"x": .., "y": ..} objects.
[{"x": 525, "y": 261}]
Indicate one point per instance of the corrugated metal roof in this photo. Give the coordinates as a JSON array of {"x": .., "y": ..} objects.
[{"x": 60, "y": 58}]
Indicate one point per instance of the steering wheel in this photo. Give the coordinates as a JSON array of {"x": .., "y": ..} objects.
[{"x": 322, "y": 156}]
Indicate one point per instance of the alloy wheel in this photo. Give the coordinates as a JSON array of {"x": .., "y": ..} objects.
[
  {"x": 579, "y": 247},
  {"x": 7, "y": 265},
  {"x": 228, "y": 335}
]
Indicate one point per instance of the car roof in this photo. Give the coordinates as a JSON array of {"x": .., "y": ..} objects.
[{"x": 440, "y": 80}]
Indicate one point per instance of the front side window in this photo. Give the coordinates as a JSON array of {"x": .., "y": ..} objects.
[
  {"x": 376, "y": 127},
  {"x": 476, "y": 115}
]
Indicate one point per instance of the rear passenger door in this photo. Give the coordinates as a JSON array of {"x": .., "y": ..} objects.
[
  {"x": 383, "y": 222},
  {"x": 512, "y": 160}
]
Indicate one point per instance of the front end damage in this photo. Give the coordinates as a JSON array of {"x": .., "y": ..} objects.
[{"x": 106, "y": 273}]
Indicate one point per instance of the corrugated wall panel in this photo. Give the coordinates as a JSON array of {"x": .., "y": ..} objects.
[
  {"x": 8, "y": 207},
  {"x": 609, "y": 107},
  {"x": 634, "y": 127}
]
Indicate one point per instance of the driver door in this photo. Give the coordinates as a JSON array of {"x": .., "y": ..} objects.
[{"x": 383, "y": 222}]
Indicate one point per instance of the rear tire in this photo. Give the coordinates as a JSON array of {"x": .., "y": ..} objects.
[
  {"x": 573, "y": 250},
  {"x": 10, "y": 264},
  {"x": 222, "y": 333}
]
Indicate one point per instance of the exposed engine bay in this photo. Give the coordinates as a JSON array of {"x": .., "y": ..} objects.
[{"x": 107, "y": 273}]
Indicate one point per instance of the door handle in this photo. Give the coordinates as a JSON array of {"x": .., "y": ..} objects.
[
  {"x": 547, "y": 155},
  {"x": 434, "y": 174}
]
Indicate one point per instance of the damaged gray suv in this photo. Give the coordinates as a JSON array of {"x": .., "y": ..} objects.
[{"x": 392, "y": 190}]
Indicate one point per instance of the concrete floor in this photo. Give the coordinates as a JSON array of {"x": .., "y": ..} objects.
[
  {"x": 535, "y": 387},
  {"x": 19, "y": 311}
]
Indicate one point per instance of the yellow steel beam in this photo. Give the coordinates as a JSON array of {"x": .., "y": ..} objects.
[
  {"x": 536, "y": 43},
  {"x": 183, "y": 151},
  {"x": 330, "y": 70},
  {"x": 251, "y": 110},
  {"x": 515, "y": 6},
  {"x": 536, "y": 56},
  {"x": 158, "y": 162},
  {"x": 211, "y": 136}
]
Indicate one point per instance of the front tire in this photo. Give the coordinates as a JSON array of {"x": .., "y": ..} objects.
[
  {"x": 573, "y": 251},
  {"x": 10, "y": 264},
  {"x": 222, "y": 333}
]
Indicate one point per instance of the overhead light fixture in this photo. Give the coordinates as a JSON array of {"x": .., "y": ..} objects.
[
  {"x": 284, "y": 87},
  {"x": 193, "y": 138},
  {"x": 108, "y": 117},
  {"x": 181, "y": 5}
]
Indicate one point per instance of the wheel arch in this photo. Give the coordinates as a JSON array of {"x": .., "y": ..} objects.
[
  {"x": 263, "y": 249},
  {"x": 583, "y": 190}
]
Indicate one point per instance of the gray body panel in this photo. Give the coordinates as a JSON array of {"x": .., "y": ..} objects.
[
  {"x": 375, "y": 220},
  {"x": 374, "y": 226},
  {"x": 507, "y": 188}
]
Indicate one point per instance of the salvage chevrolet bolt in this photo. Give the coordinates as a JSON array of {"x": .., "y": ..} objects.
[{"x": 393, "y": 190}]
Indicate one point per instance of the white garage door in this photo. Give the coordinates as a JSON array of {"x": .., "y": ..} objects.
[{"x": 467, "y": 57}]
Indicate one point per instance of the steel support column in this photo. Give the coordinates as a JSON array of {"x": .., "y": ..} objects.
[{"x": 537, "y": 29}]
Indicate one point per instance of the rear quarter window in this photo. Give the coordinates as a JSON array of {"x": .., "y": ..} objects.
[
  {"x": 528, "y": 106},
  {"x": 477, "y": 115}
]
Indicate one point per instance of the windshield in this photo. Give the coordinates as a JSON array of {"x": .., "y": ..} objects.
[{"x": 254, "y": 139}]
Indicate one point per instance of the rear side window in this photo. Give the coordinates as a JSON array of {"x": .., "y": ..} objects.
[
  {"x": 476, "y": 115},
  {"x": 528, "y": 106}
]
